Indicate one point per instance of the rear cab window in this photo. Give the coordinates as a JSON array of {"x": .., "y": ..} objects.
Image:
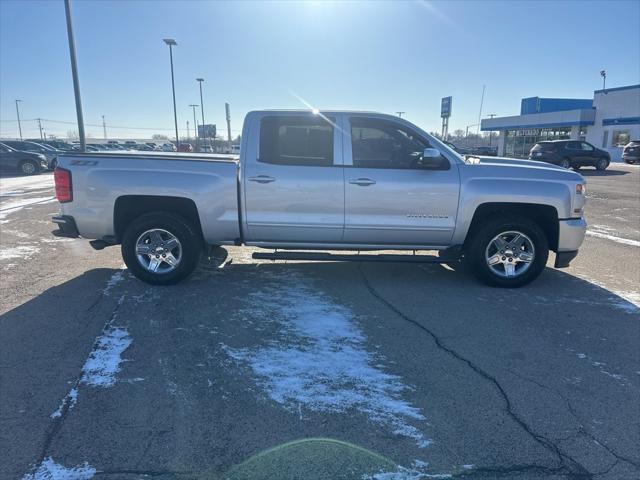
[{"x": 297, "y": 140}]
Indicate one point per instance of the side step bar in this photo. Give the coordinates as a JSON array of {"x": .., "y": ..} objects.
[{"x": 339, "y": 257}]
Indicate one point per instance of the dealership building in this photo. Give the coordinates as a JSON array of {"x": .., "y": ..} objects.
[{"x": 608, "y": 121}]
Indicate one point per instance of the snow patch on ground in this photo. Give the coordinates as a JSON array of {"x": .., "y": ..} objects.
[
  {"x": 115, "y": 279},
  {"x": 70, "y": 399},
  {"x": 21, "y": 251},
  {"x": 319, "y": 360},
  {"x": 104, "y": 361},
  {"x": 13, "y": 206},
  {"x": 11, "y": 186},
  {"x": 607, "y": 233},
  {"x": 416, "y": 472},
  {"x": 50, "y": 470}
]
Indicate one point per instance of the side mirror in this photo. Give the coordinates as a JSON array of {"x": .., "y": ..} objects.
[
  {"x": 432, "y": 159},
  {"x": 431, "y": 153}
]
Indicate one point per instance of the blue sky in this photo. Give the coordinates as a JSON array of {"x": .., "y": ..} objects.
[{"x": 382, "y": 56}]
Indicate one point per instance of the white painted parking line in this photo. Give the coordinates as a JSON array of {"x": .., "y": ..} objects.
[{"x": 600, "y": 231}]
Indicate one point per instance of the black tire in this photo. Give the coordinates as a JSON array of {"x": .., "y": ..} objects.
[
  {"x": 565, "y": 163},
  {"x": 481, "y": 239},
  {"x": 186, "y": 233},
  {"x": 28, "y": 167},
  {"x": 576, "y": 167},
  {"x": 630, "y": 162},
  {"x": 602, "y": 163},
  {"x": 54, "y": 164}
]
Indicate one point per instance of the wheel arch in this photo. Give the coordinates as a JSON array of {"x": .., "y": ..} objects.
[
  {"x": 546, "y": 216},
  {"x": 129, "y": 207}
]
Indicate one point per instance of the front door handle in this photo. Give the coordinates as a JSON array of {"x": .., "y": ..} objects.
[
  {"x": 262, "y": 179},
  {"x": 363, "y": 182}
]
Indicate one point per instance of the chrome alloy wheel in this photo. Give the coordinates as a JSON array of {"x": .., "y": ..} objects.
[
  {"x": 510, "y": 254},
  {"x": 158, "y": 251}
]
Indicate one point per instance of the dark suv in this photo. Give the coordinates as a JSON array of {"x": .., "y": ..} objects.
[
  {"x": 631, "y": 152},
  {"x": 570, "y": 153}
]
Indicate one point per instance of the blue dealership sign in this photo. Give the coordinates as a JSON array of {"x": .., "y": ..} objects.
[{"x": 445, "y": 107}]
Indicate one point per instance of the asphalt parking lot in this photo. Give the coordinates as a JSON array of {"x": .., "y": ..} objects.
[{"x": 253, "y": 370}]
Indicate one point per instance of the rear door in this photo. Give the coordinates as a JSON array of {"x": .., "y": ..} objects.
[
  {"x": 390, "y": 198},
  {"x": 293, "y": 180}
]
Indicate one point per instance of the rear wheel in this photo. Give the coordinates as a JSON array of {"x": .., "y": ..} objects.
[
  {"x": 508, "y": 252},
  {"x": 161, "y": 248},
  {"x": 565, "y": 163},
  {"x": 602, "y": 163},
  {"x": 28, "y": 167}
]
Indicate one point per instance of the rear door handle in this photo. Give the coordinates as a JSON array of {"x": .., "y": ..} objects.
[
  {"x": 363, "y": 182},
  {"x": 262, "y": 179}
]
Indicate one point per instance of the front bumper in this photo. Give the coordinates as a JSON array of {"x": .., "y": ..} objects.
[
  {"x": 570, "y": 238},
  {"x": 66, "y": 227}
]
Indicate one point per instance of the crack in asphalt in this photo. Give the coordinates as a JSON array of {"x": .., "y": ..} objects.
[
  {"x": 569, "y": 466},
  {"x": 57, "y": 422}
]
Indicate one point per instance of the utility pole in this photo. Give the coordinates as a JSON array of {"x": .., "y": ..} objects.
[
  {"x": 188, "y": 132},
  {"x": 18, "y": 114},
  {"x": 104, "y": 128},
  {"x": 171, "y": 42},
  {"x": 400, "y": 114},
  {"x": 603, "y": 74},
  {"x": 40, "y": 127},
  {"x": 227, "y": 110},
  {"x": 195, "y": 125},
  {"x": 74, "y": 72}
]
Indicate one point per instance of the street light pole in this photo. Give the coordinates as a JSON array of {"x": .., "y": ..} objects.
[
  {"x": 171, "y": 42},
  {"x": 195, "y": 126},
  {"x": 74, "y": 72},
  {"x": 400, "y": 114},
  {"x": 104, "y": 128},
  {"x": 200, "y": 80},
  {"x": 18, "y": 114}
]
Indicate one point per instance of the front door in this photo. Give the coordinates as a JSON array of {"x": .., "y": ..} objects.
[
  {"x": 390, "y": 197},
  {"x": 293, "y": 181}
]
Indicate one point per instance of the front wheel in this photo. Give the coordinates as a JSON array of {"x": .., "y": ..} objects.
[
  {"x": 161, "y": 248},
  {"x": 602, "y": 164},
  {"x": 565, "y": 163},
  {"x": 508, "y": 252}
]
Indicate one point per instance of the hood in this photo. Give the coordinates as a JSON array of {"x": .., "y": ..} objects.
[{"x": 527, "y": 168}]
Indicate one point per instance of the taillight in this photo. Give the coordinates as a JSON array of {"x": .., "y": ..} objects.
[{"x": 64, "y": 191}]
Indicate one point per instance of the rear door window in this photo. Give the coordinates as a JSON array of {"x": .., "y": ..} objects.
[{"x": 296, "y": 140}]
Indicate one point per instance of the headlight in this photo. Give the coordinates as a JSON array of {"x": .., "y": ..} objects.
[{"x": 42, "y": 157}]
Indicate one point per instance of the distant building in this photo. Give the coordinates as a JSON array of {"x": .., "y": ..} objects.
[{"x": 608, "y": 121}]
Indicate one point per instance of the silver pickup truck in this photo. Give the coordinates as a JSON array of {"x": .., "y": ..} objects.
[{"x": 318, "y": 181}]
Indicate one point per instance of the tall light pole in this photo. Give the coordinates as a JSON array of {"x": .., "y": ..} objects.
[
  {"x": 104, "y": 128},
  {"x": 74, "y": 72},
  {"x": 200, "y": 80},
  {"x": 400, "y": 114},
  {"x": 18, "y": 114},
  {"x": 195, "y": 125},
  {"x": 491, "y": 115},
  {"x": 40, "y": 127},
  {"x": 171, "y": 42},
  {"x": 603, "y": 74},
  {"x": 188, "y": 131}
]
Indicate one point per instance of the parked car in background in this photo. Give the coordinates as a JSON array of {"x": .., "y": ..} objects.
[
  {"x": 154, "y": 146},
  {"x": 98, "y": 146},
  {"x": 130, "y": 143},
  {"x": 168, "y": 147},
  {"x": 50, "y": 153},
  {"x": 460, "y": 150},
  {"x": 234, "y": 150},
  {"x": 18, "y": 161},
  {"x": 484, "y": 151},
  {"x": 570, "y": 154},
  {"x": 206, "y": 148},
  {"x": 631, "y": 152},
  {"x": 185, "y": 147},
  {"x": 58, "y": 145}
]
